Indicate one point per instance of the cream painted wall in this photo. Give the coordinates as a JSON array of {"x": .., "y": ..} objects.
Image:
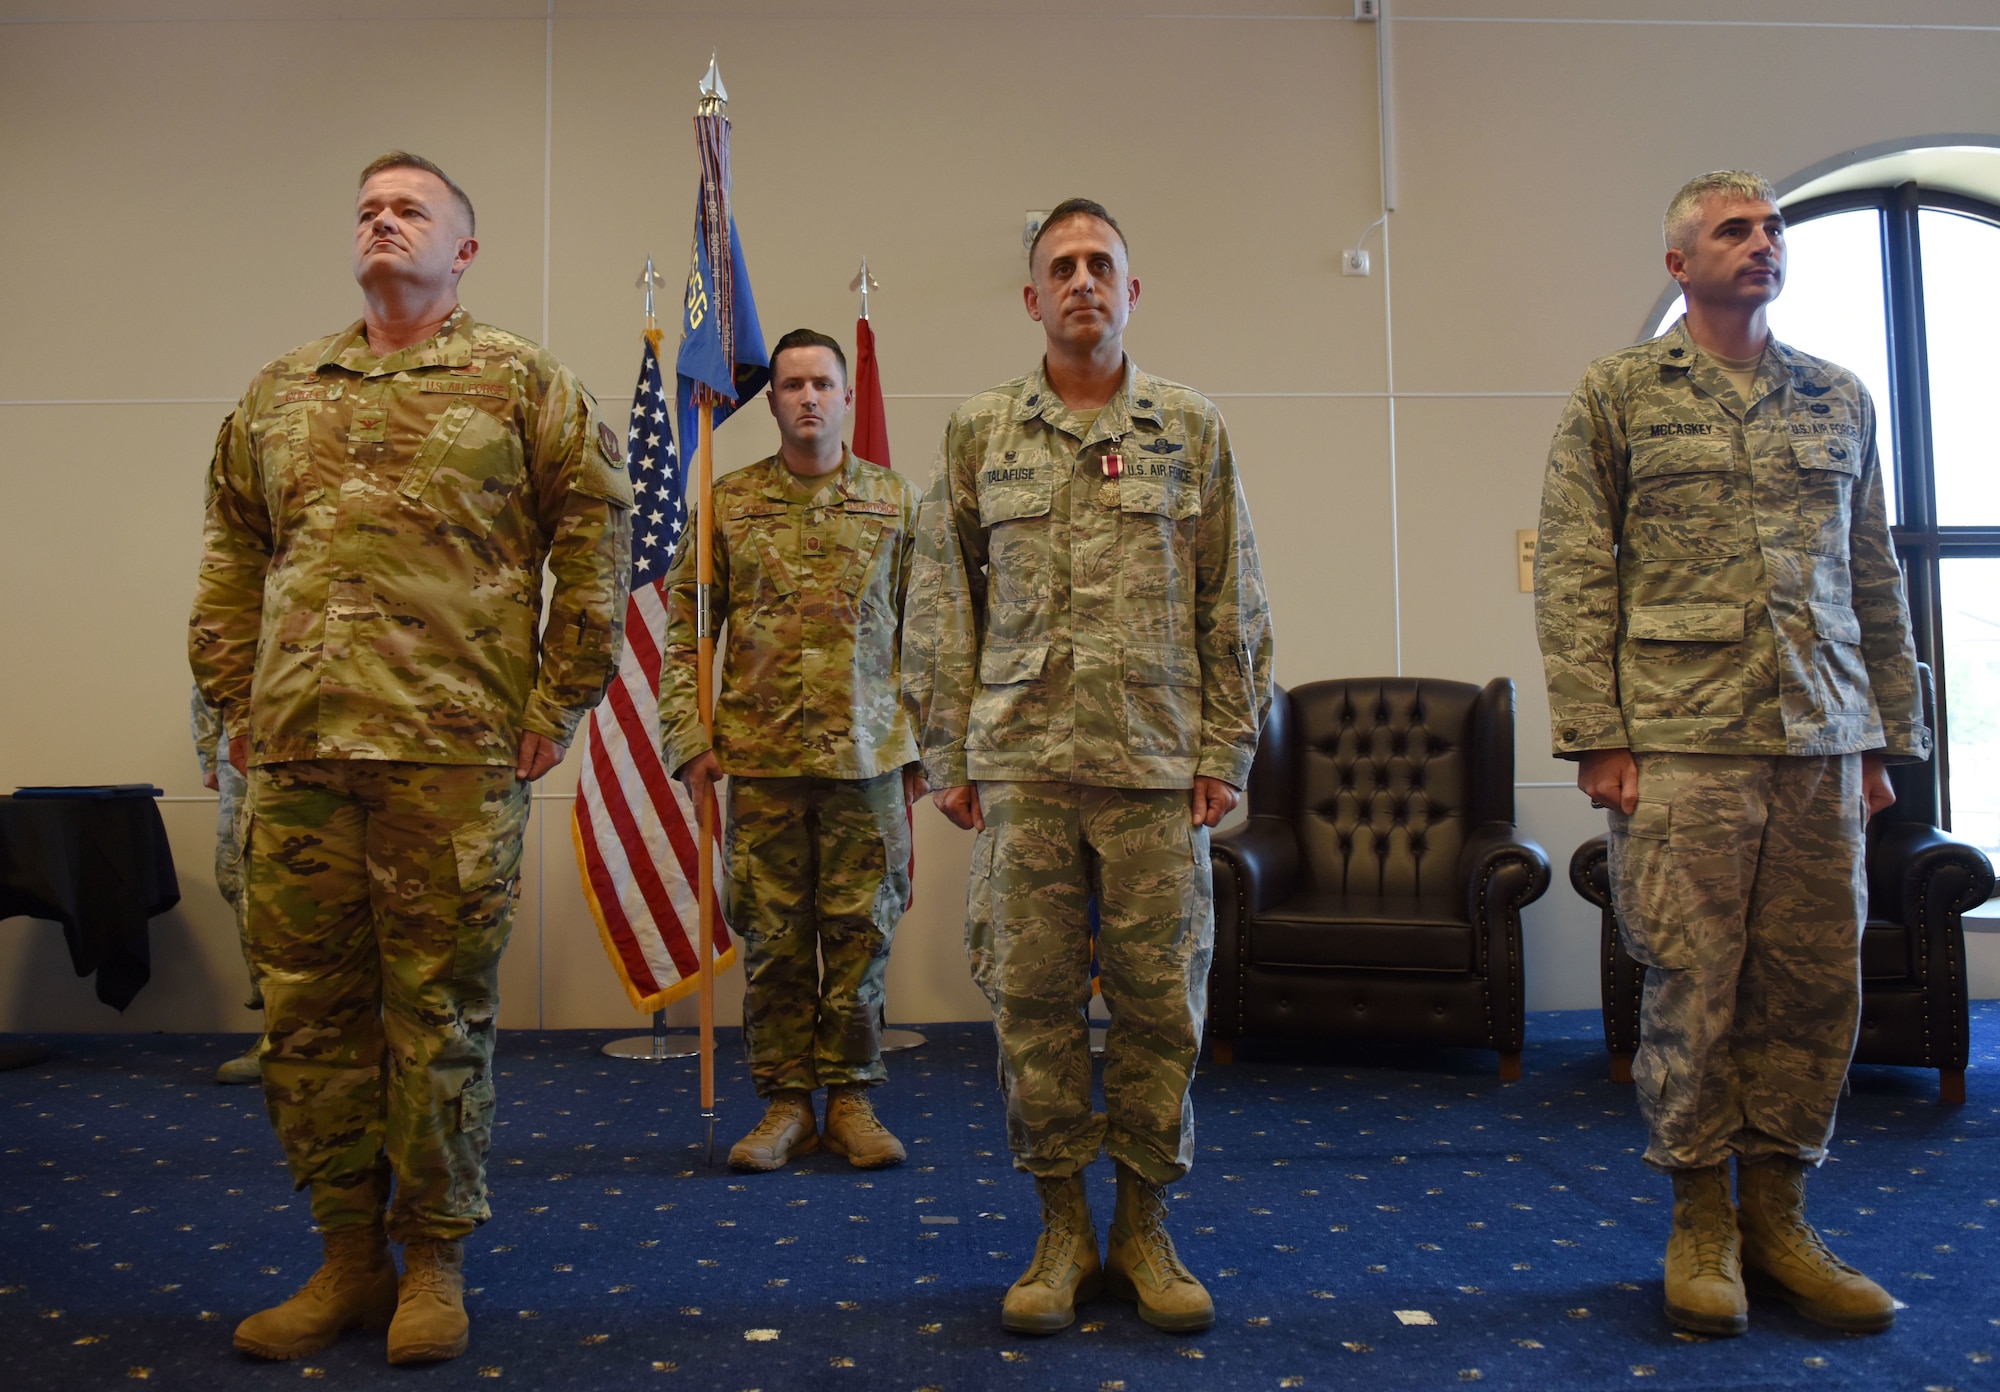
[{"x": 180, "y": 176}]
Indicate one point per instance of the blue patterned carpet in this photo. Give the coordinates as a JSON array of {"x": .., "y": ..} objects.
[{"x": 1364, "y": 1220}]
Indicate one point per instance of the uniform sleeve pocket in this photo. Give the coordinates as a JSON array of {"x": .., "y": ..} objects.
[
  {"x": 1002, "y": 664},
  {"x": 1836, "y": 623},
  {"x": 1687, "y": 623}
]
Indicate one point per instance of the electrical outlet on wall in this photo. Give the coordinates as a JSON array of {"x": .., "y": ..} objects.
[
  {"x": 1354, "y": 263},
  {"x": 1367, "y": 9}
]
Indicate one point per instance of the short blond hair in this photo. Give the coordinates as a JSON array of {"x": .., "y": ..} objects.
[{"x": 1684, "y": 213}]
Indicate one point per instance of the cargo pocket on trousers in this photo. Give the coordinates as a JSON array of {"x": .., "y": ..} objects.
[
  {"x": 470, "y": 1116},
  {"x": 1651, "y": 896},
  {"x": 979, "y": 911},
  {"x": 475, "y": 1109},
  {"x": 487, "y": 857}
]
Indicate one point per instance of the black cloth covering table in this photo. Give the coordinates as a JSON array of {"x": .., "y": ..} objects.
[{"x": 101, "y": 867}]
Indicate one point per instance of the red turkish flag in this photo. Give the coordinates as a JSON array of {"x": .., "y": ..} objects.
[{"x": 871, "y": 422}]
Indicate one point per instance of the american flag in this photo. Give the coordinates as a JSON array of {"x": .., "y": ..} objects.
[{"x": 633, "y": 824}]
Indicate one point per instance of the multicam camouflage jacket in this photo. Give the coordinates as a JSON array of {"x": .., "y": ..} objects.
[
  {"x": 1716, "y": 577},
  {"x": 371, "y": 579},
  {"x": 1076, "y": 619},
  {"x": 810, "y": 577}
]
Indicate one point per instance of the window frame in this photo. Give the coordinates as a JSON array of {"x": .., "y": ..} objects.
[{"x": 1922, "y": 542}]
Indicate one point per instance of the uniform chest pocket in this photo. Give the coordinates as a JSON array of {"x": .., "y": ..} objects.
[
  {"x": 763, "y": 532},
  {"x": 1686, "y": 499},
  {"x": 871, "y": 541},
  {"x": 467, "y": 468},
  {"x": 1015, "y": 499},
  {"x": 1010, "y": 492},
  {"x": 1173, "y": 498},
  {"x": 1829, "y": 467},
  {"x": 283, "y": 442}
]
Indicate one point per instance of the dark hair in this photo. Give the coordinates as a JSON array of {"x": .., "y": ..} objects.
[
  {"x": 403, "y": 159},
  {"x": 1076, "y": 208},
  {"x": 810, "y": 338}
]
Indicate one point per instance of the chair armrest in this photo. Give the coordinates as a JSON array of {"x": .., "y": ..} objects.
[
  {"x": 1256, "y": 865},
  {"x": 1264, "y": 853},
  {"x": 1903, "y": 859},
  {"x": 1501, "y": 867},
  {"x": 1926, "y": 879},
  {"x": 1590, "y": 871}
]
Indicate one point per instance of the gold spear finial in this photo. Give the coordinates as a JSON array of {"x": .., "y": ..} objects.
[{"x": 714, "y": 96}]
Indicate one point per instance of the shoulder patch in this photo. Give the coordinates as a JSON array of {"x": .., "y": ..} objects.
[{"x": 614, "y": 448}]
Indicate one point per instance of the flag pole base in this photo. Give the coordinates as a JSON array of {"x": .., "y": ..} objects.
[
  {"x": 1097, "y": 1039},
  {"x": 709, "y": 1117},
  {"x": 656, "y": 1047},
  {"x": 895, "y": 1040}
]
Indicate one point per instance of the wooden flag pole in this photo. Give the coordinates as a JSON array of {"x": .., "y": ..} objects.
[{"x": 704, "y": 559}]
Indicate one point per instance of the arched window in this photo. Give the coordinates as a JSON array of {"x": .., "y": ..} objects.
[{"x": 1895, "y": 275}]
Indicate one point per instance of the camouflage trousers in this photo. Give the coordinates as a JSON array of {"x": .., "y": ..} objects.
[
  {"x": 1047, "y": 848},
  {"x": 819, "y": 875},
  {"x": 1739, "y": 885},
  {"x": 380, "y": 896},
  {"x": 232, "y": 823}
]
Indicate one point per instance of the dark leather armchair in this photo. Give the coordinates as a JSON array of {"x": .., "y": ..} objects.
[
  {"x": 1375, "y": 891},
  {"x": 1920, "y": 883}
]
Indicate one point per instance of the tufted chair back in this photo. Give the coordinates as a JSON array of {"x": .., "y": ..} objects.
[{"x": 1384, "y": 778}]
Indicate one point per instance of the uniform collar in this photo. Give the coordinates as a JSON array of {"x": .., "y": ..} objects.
[
  {"x": 1676, "y": 350},
  {"x": 1137, "y": 398},
  {"x": 450, "y": 346},
  {"x": 783, "y": 482}
]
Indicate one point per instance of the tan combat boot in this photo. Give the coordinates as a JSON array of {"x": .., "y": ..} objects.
[
  {"x": 1783, "y": 1256},
  {"x": 1704, "y": 1270},
  {"x": 1141, "y": 1264},
  {"x": 1065, "y": 1272},
  {"x": 430, "y": 1323},
  {"x": 852, "y": 1129},
  {"x": 242, "y": 1070},
  {"x": 786, "y": 1130},
  {"x": 354, "y": 1288}
]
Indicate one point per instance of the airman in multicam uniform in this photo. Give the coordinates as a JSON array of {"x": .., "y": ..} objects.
[
  {"x": 1088, "y": 663},
  {"x": 1729, "y": 657},
  {"x": 219, "y": 776},
  {"x": 812, "y": 561},
  {"x": 369, "y": 622}
]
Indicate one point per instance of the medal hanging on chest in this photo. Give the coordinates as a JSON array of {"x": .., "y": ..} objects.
[{"x": 1114, "y": 469}]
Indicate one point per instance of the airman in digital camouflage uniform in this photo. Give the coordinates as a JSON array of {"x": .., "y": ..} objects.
[
  {"x": 812, "y": 561},
  {"x": 1087, "y": 662},
  {"x": 380, "y": 508},
  {"x": 219, "y": 776},
  {"x": 1729, "y": 658}
]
